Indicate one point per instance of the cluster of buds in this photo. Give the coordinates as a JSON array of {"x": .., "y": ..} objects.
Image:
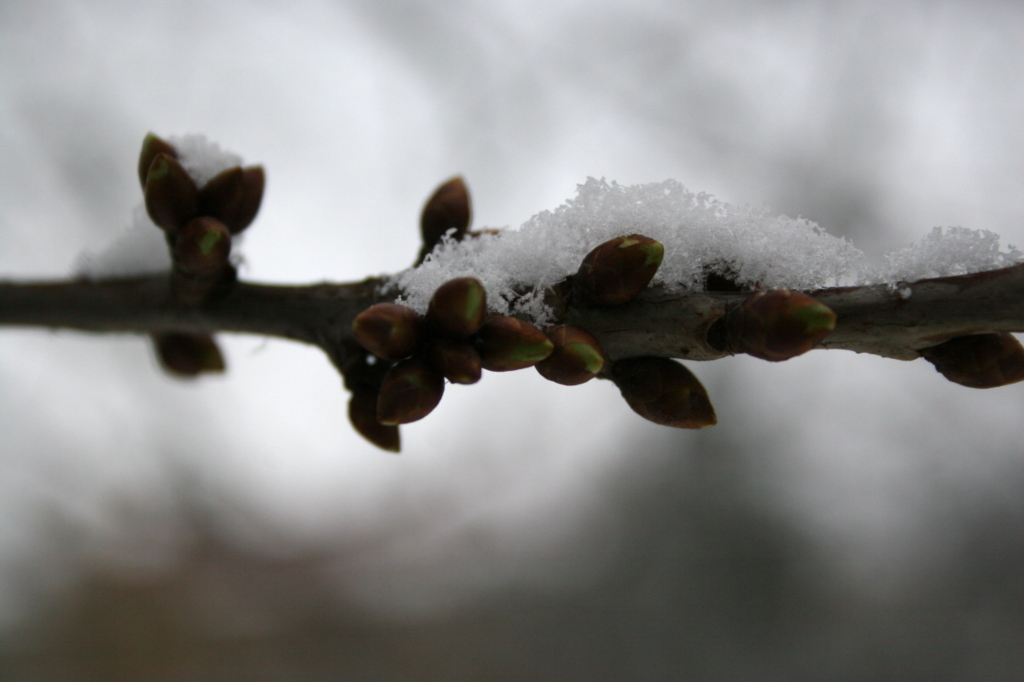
[
  {"x": 199, "y": 223},
  {"x": 979, "y": 360}
]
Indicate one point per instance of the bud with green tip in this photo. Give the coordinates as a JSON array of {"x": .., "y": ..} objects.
[
  {"x": 979, "y": 360},
  {"x": 458, "y": 361},
  {"x": 233, "y": 196},
  {"x": 663, "y": 391},
  {"x": 618, "y": 270},
  {"x": 507, "y": 344},
  {"x": 457, "y": 308},
  {"x": 362, "y": 413},
  {"x": 389, "y": 330},
  {"x": 202, "y": 247},
  {"x": 409, "y": 392},
  {"x": 447, "y": 208},
  {"x": 151, "y": 146},
  {"x": 188, "y": 355},
  {"x": 576, "y": 359},
  {"x": 778, "y": 325},
  {"x": 172, "y": 198}
]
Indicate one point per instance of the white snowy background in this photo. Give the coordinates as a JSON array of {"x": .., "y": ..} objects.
[{"x": 872, "y": 486}]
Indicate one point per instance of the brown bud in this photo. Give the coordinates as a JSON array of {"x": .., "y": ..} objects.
[
  {"x": 171, "y": 196},
  {"x": 457, "y": 308},
  {"x": 202, "y": 247},
  {"x": 188, "y": 355},
  {"x": 618, "y": 270},
  {"x": 979, "y": 360},
  {"x": 448, "y": 208},
  {"x": 362, "y": 412},
  {"x": 233, "y": 196},
  {"x": 410, "y": 391},
  {"x": 507, "y": 344},
  {"x": 664, "y": 392},
  {"x": 458, "y": 361},
  {"x": 388, "y": 330},
  {"x": 778, "y": 325},
  {"x": 577, "y": 357},
  {"x": 151, "y": 146}
]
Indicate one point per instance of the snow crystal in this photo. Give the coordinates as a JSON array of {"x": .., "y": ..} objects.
[
  {"x": 141, "y": 249},
  {"x": 700, "y": 235}
]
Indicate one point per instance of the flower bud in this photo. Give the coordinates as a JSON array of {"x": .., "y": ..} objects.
[
  {"x": 664, "y": 392},
  {"x": 979, "y": 360},
  {"x": 171, "y": 195},
  {"x": 151, "y": 146},
  {"x": 507, "y": 344},
  {"x": 202, "y": 247},
  {"x": 457, "y": 308},
  {"x": 576, "y": 359},
  {"x": 233, "y": 196},
  {"x": 778, "y": 325},
  {"x": 188, "y": 355},
  {"x": 388, "y": 330},
  {"x": 618, "y": 270},
  {"x": 458, "y": 361},
  {"x": 410, "y": 391},
  {"x": 362, "y": 412},
  {"x": 448, "y": 208}
]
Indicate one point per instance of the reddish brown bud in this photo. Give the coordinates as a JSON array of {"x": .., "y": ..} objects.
[
  {"x": 778, "y": 325},
  {"x": 458, "y": 361},
  {"x": 171, "y": 196},
  {"x": 151, "y": 146},
  {"x": 188, "y": 355},
  {"x": 409, "y": 392},
  {"x": 979, "y": 360},
  {"x": 448, "y": 208},
  {"x": 202, "y": 247},
  {"x": 507, "y": 344},
  {"x": 576, "y": 359},
  {"x": 233, "y": 196},
  {"x": 664, "y": 392},
  {"x": 362, "y": 412},
  {"x": 389, "y": 330},
  {"x": 618, "y": 270},
  {"x": 457, "y": 308}
]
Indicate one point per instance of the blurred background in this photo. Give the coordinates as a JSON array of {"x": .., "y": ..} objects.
[{"x": 849, "y": 518}]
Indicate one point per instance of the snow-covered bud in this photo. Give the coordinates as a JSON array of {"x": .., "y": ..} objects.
[
  {"x": 458, "y": 361},
  {"x": 188, "y": 355},
  {"x": 151, "y": 146},
  {"x": 409, "y": 392},
  {"x": 202, "y": 247},
  {"x": 576, "y": 359},
  {"x": 362, "y": 412},
  {"x": 448, "y": 208},
  {"x": 389, "y": 330},
  {"x": 778, "y": 325},
  {"x": 233, "y": 196},
  {"x": 457, "y": 308},
  {"x": 618, "y": 270},
  {"x": 172, "y": 198},
  {"x": 664, "y": 392},
  {"x": 979, "y": 360},
  {"x": 507, "y": 344}
]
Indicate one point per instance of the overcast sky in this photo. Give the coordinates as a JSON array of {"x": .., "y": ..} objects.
[{"x": 877, "y": 120}]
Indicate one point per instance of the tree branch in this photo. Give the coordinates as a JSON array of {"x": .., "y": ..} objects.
[{"x": 894, "y": 322}]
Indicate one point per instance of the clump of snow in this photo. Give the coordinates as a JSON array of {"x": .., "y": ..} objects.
[
  {"x": 700, "y": 235},
  {"x": 141, "y": 248},
  {"x": 698, "y": 232},
  {"x": 943, "y": 253},
  {"x": 201, "y": 158}
]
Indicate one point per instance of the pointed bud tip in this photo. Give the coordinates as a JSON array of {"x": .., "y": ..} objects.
[
  {"x": 616, "y": 271},
  {"x": 389, "y": 330},
  {"x": 979, "y": 360},
  {"x": 664, "y": 392},
  {"x": 576, "y": 358},
  {"x": 507, "y": 344},
  {"x": 409, "y": 392},
  {"x": 457, "y": 308}
]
